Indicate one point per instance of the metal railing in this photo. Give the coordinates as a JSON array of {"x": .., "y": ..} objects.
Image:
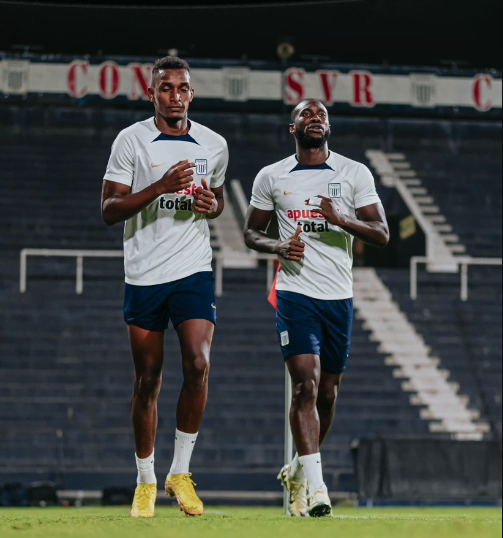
[
  {"x": 57, "y": 253},
  {"x": 220, "y": 264},
  {"x": 80, "y": 255},
  {"x": 461, "y": 262},
  {"x": 271, "y": 259}
]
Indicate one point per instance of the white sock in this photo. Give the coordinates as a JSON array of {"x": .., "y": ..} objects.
[
  {"x": 296, "y": 471},
  {"x": 311, "y": 465},
  {"x": 146, "y": 473},
  {"x": 184, "y": 446}
]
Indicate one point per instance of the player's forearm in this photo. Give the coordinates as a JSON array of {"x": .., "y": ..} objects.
[
  {"x": 120, "y": 208},
  {"x": 260, "y": 242},
  {"x": 372, "y": 233}
]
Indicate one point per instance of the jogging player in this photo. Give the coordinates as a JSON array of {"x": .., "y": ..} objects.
[
  {"x": 333, "y": 199},
  {"x": 164, "y": 180}
]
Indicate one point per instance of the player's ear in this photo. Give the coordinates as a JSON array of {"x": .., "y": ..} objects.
[
  {"x": 192, "y": 92},
  {"x": 151, "y": 94},
  {"x": 291, "y": 128}
]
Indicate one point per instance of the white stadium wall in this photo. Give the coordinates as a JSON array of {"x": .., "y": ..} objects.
[{"x": 368, "y": 88}]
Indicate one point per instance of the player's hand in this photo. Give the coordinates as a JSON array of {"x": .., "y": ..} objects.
[
  {"x": 177, "y": 178},
  {"x": 329, "y": 210},
  {"x": 205, "y": 201},
  {"x": 292, "y": 249}
]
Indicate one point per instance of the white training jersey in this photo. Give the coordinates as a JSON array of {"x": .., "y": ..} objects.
[
  {"x": 326, "y": 272},
  {"x": 166, "y": 241}
]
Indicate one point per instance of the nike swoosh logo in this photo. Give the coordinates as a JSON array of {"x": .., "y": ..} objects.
[
  {"x": 213, "y": 306},
  {"x": 153, "y": 166},
  {"x": 286, "y": 193}
]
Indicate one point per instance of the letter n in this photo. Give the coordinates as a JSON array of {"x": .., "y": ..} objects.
[{"x": 140, "y": 81}]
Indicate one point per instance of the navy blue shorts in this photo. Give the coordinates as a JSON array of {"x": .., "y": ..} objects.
[
  {"x": 314, "y": 327},
  {"x": 151, "y": 307}
]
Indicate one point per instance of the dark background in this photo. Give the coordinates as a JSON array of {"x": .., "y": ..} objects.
[{"x": 411, "y": 32}]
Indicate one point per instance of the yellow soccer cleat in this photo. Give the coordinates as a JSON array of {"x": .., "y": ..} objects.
[
  {"x": 181, "y": 486},
  {"x": 144, "y": 501}
]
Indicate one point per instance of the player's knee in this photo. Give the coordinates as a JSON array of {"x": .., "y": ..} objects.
[
  {"x": 148, "y": 384},
  {"x": 197, "y": 368},
  {"x": 328, "y": 392},
  {"x": 305, "y": 392},
  {"x": 327, "y": 398}
]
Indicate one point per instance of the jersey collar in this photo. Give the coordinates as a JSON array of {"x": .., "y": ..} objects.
[
  {"x": 171, "y": 138},
  {"x": 323, "y": 166}
]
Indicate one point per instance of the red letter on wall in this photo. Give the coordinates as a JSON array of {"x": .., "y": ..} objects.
[
  {"x": 294, "y": 86},
  {"x": 75, "y": 81},
  {"x": 362, "y": 89},
  {"x": 328, "y": 81},
  {"x": 478, "y": 92},
  {"x": 140, "y": 81},
  {"x": 109, "y": 80}
]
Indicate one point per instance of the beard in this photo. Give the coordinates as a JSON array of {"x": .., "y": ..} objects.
[
  {"x": 308, "y": 142},
  {"x": 171, "y": 120}
]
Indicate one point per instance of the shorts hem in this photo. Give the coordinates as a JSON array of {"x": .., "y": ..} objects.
[
  {"x": 179, "y": 322},
  {"x": 287, "y": 355},
  {"x": 145, "y": 327},
  {"x": 333, "y": 371}
]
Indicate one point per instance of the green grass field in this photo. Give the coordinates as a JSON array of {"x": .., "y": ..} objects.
[{"x": 251, "y": 522}]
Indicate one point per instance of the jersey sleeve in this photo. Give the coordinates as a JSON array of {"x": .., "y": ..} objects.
[
  {"x": 121, "y": 165},
  {"x": 218, "y": 178},
  {"x": 262, "y": 197},
  {"x": 364, "y": 188}
]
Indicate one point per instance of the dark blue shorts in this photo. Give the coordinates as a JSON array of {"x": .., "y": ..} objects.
[
  {"x": 151, "y": 307},
  {"x": 314, "y": 327}
]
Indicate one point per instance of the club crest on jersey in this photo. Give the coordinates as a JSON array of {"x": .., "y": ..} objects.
[
  {"x": 334, "y": 190},
  {"x": 201, "y": 167}
]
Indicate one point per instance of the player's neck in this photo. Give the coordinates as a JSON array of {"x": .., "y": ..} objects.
[
  {"x": 312, "y": 156},
  {"x": 173, "y": 128}
]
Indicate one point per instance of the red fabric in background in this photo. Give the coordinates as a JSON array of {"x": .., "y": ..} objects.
[{"x": 273, "y": 298}]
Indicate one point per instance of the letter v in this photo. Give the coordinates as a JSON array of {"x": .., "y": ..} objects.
[{"x": 328, "y": 81}]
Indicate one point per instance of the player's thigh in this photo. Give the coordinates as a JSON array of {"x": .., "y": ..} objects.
[
  {"x": 196, "y": 338},
  {"x": 305, "y": 371},
  {"x": 337, "y": 329},
  {"x": 148, "y": 351},
  {"x": 300, "y": 328}
]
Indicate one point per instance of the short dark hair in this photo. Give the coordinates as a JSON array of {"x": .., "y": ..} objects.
[
  {"x": 169, "y": 62},
  {"x": 296, "y": 110}
]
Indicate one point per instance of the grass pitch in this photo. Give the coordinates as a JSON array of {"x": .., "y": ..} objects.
[{"x": 251, "y": 523}]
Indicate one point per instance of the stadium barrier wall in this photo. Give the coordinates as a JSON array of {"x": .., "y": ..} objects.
[
  {"x": 429, "y": 470},
  {"x": 252, "y": 86}
]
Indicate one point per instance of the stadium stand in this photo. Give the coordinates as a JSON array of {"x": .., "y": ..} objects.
[
  {"x": 65, "y": 368},
  {"x": 467, "y": 189},
  {"x": 466, "y": 336}
]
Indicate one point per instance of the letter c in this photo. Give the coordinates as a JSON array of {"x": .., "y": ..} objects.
[{"x": 478, "y": 97}]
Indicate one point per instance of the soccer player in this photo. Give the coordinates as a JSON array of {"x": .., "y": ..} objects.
[
  {"x": 333, "y": 199},
  {"x": 164, "y": 180}
]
